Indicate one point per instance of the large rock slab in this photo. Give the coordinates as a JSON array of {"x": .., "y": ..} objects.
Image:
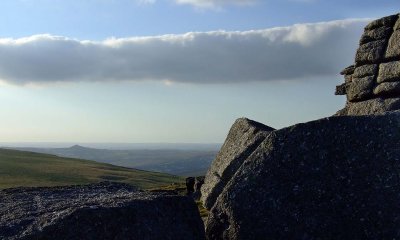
[
  {"x": 376, "y": 34},
  {"x": 244, "y": 137},
  {"x": 371, "y": 52},
  {"x": 393, "y": 49},
  {"x": 365, "y": 70},
  {"x": 372, "y": 106},
  {"x": 389, "y": 72},
  {"x": 387, "y": 89},
  {"x": 335, "y": 178},
  {"x": 360, "y": 89},
  {"x": 388, "y": 21},
  {"x": 99, "y": 211}
]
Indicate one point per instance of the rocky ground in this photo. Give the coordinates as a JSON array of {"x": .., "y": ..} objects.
[{"x": 97, "y": 211}]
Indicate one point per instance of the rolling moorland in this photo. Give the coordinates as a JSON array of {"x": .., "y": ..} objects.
[
  {"x": 182, "y": 162},
  {"x": 19, "y": 168}
]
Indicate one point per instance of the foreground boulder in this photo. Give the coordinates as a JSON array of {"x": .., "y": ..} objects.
[
  {"x": 335, "y": 178},
  {"x": 372, "y": 84},
  {"x": 99, "y": 211},
  {"x": 244, "y": 137}
]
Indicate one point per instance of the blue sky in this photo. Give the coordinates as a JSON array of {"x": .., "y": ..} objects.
[{"x": 171, "y": 70}]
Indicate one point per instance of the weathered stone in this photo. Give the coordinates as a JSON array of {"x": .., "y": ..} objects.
[
  {"x": 388, "y": 21},
  {"x": 393, "y": 49},
  {"x": 360, "y": 89},
  {"x": 348, "y": 78},
  {"x": 99, "y": 211},
  {"x": 199, "y": 181},
  {"x": 366, "y": 70},
  {"x": 341, "y": 89},
  {"x": 335, "y": 178},
  {"x": 387, "y": 89},
  {"x": 397, "y": 25},
  {"x": 389, "y": 72},
  {"x": 372, "y": 52},
  {"x": 372, "y": 106},
  {"x": 376, "y": 34},
  {"x": 348, "y": 70},
  {"x": 243, "y": 138}
]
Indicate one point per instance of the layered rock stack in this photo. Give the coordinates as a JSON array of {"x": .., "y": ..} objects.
[{"x": 372, "y": 84}]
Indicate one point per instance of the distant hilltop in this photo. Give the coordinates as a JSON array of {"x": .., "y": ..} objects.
[{"x": 117, "y": 146}]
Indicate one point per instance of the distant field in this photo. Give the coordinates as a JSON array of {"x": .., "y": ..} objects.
[
  {"x": 18, "y": 168},
  {"x": 170, "y": 161}
]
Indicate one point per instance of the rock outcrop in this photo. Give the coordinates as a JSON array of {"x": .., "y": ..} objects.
[
  {"x": 244, "y": 137},
  {"x": 98, "y": 211},
  {"x": 334, "y": 178},
  {"x": 193, "y": 186},
  {"x": 372, "y": 84}
]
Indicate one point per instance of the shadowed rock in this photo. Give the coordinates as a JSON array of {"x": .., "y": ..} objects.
[
  {"x": 190, "y": 185},
  {"x": 98, "y": 211},
  {"x": 243, "y": 138},
  {"x": 335, "y": 178},
  {"x": 387, "y": 88}
]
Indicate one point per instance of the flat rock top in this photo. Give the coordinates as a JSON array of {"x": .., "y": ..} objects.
[
  {"x": 31, "y": 206},
  {"x": 26, "y": 212}
]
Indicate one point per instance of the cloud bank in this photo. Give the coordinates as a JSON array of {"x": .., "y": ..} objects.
[
  {"x": 284, "y": 53},
  {"x": 215, "y": 3}
]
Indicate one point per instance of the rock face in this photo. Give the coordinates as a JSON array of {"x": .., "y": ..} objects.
[
  {"x": 99, "y": 211},
  {"x": 372, "y": 84},
  {"x": 198, "y": 183},
  {"x": 335, "y": 178},
  {"x": 244, "y": 137}
]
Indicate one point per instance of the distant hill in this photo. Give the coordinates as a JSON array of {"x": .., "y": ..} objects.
[
  {"x": 19, "y": 168},
  {"x": 171, "y": 161}
]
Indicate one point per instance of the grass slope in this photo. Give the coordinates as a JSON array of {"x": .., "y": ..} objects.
[{"x": 18, "y": 168}]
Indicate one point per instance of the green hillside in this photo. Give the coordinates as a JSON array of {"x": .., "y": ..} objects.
[{"x": 18, "y": 168}]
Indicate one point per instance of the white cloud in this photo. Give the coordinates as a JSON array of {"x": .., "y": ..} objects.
[
  {"x": 141, "y": 2},
  {"x": 215, "y": 3},
  {"x": 284, "y": 53}
]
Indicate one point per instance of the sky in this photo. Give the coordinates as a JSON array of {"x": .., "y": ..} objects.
[{"x": 176, "y": 71}]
